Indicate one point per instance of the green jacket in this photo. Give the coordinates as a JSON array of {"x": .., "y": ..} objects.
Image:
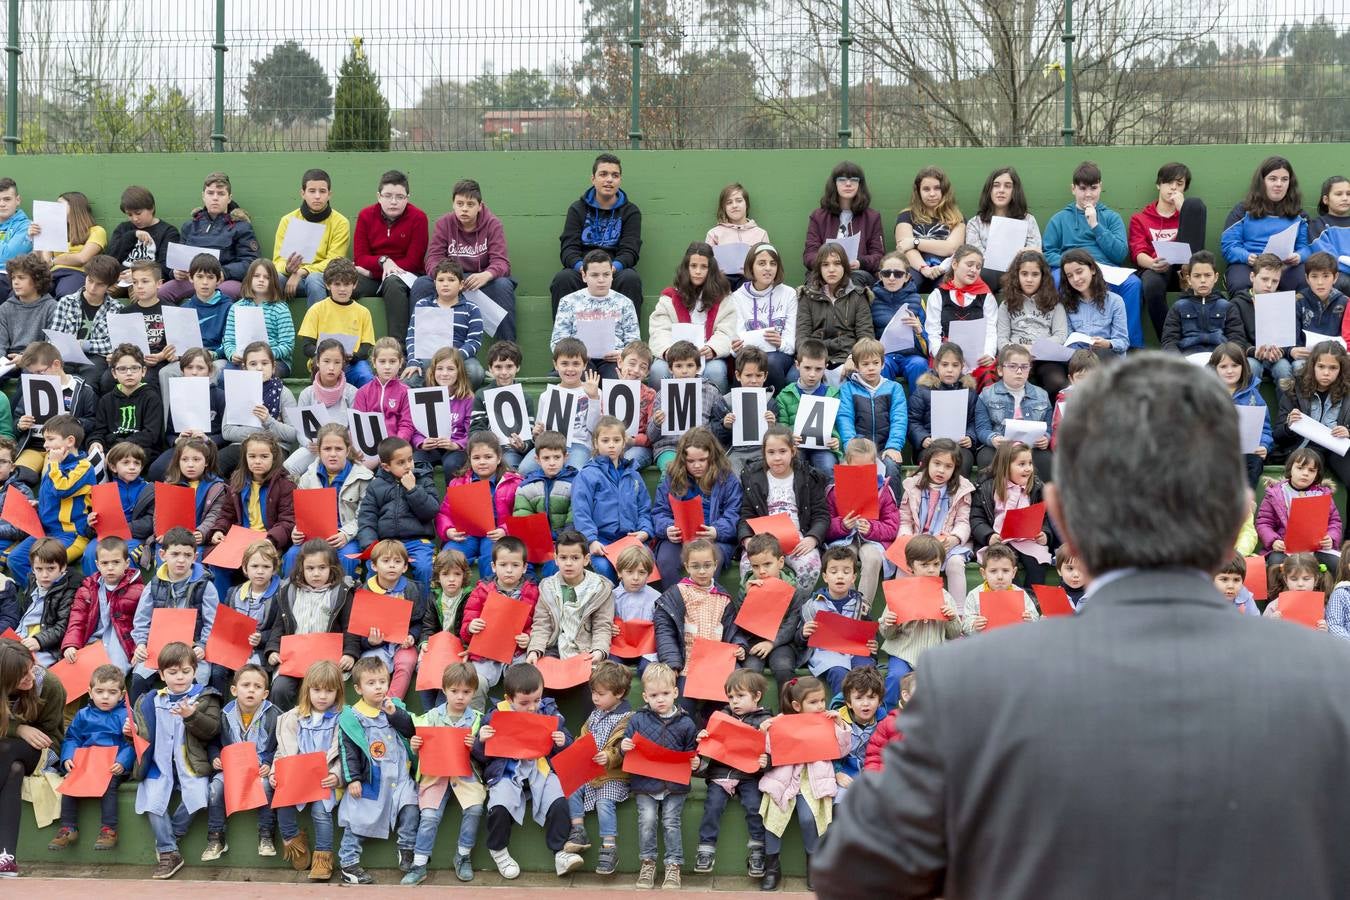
[
  {"x": 538, "y": 494},
  {"x": 790, "y": 398},
  {"x": 6, "y": 418}
]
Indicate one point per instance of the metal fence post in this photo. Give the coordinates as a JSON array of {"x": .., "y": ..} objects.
[
  {"x": 635, "y": 89},
  {"x": 845, "y": 41},
  {"x": 12, "y": 52},
  {"x": 218, "y": 134},
  {"x": 1067, "y": 130}
]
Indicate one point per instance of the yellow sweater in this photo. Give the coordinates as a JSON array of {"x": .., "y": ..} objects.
[{"x": 337, "y": 235}]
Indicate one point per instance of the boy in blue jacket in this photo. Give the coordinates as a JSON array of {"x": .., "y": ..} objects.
[
  {"x": 100, "y": 724},
  {"x": 63, "y": 494},
  {"x": 1320, "y": 308},
  {"x": 401, "y": 505},
  {"x": 1202, "y": 318},
  {"x": 248, "y": 718},
  {"x": 859, "y": 705},
  {"x": 873, "y": 406},
  {"x": 895, "y": 294},
  {"x": 609, "y": 497},
  {"x": 179, "y": 583}
]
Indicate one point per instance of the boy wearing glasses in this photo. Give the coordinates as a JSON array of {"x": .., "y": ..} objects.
[
  {"x": 388, "y": 245},
  {"x": 1008, "y": 399},
  {"x": 132, "y": 410}
]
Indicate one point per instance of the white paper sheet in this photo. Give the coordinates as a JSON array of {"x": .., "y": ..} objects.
[
  {"x": 850, "y": 245},
  {"x": 1251, "y": 421},
  {"x": 367, "y": 430},
  {"x": 41, "y": 396},
  {"x": 1312, "y": 338},
  {"x": 307, "y": 420},
  {"x": 507, "y": 413},
  {"x": 1077, "y": 338},
  {"x": 623, "y": 400},
  {"x": 970, "y": 336},
  {"x": 1006, "y": 237},
  {"x": 433, "y": 328},
  {"x": 128, "y": 328},
  {"x": 897, "y": 336},
  {"x": 190, "y": 403},
  {"x": 1282, "y": 242},
  {"x": 1178, "y": 253},
  {"x": 555, "y": 399},
  {"x": 819, "y": 414},
  {"x": 1315, "y": 431},
  {"x": 68, "y": 345},
  {"x": 1028, "y": 431},
  {"x": 947, "y": 413},
  {"x": 834, "y": 377},
  {"x": 243, "y": 391},
  {"x": 1198, "y": 359},
  {"x": 731, "y": 257},
  {"x": 756, "y": 338},
  {"x": 182, "y": 328},
  {"x": 688, "y": 331},
  {"x": 1275, "y": 319},
  {"x": 688, "y": 412},
  {"x": 50, "y": 215},
  {"x": 301, "y": 237},
  {"x": 597, "y": 335},
  {"x": 348, "y": 341},
  {"x": 1115, "y": 275},
  {"x": 250, "y": 326},
  {"x": 431, "y": 419},
  {"x": 749, "y": 406},
  {"x": 178, "y": 257},
  {"x": 487, "y": 308},
  {"x": 1046, "y": 350}
]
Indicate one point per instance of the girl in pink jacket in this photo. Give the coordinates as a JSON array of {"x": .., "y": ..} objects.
[
  {"x": 1302, "y": 478},
  {"x": 485, "y": 464},
  {"x": 387, "y": 395},
  {"x": 869, "y": 538},
  {"x": 936, "y": 500}
]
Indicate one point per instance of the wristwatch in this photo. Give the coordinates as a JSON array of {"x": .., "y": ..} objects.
[
  {"x": 916, "y": 243},
  {"x": 383, "y": 260}
]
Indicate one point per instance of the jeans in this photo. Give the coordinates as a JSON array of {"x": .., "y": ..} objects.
[
  {"x": 896, "y": 669},
  {"x": 604, "y": 568},
  {"x": 167, "y": 829},
  {"x": 475, "y": 549},
  {"x": 669, "y": 810},
  {"x": 1277, "y": 371},
  {"x": 501, "y": 291},
  {"x": 782, "y": 369},
  {"x": 176, "y": 291},
  {"x": 912, "y": 366},
  {"x": 822, "y": 461},
  {"x": 606, "y": 813},
  {"x": 215, "y": 806},
  {"x": 359, "y": 373},
  {"x": 834, "y": 678},
  {"x": 421, "y": 553},
  {"x": 714, "y": 372},
  {"x": 716, "y": 804},
  {"x": 312, "y": 285},
  {"x": 773, "y": 844},
  {"x": 1238, "y": 277},
  {"x": 568, "y": 281},
  {"x": 349, "y": 851},
  {"x": 429, "y": 822},
  {"x": 349, "y": 566},
  {"x": 671, "y": 568},
  {"x": 70, "y": 806},
  {"x": 641, "y": 457},
  {"x": 577, "y": 456},
  {"x": 288, "y": 820},
  {"x": 450, "y": 461}
]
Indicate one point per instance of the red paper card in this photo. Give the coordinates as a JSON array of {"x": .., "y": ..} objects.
[
  {"x": 389, "y": 614},
  {"x": 633, "y": 638},
  {"x": 732, "y": 742},
  {"x": 856, "y": 491},
  {"x": 243, "y": 783},
  {"x": 520, "y": 735},
  {"x": 505, "y": 619},
  {"x": 613, "y": 550},
  {"x": 444, "y": 648},
  {"x": 444, "y": 753},
  {"x": 18, "y": 512},
  {"x": 896, "y": 553},
  {"x": 228, "y": 644},
  {"x": 803, "y": 738},
  {"x": 707, "y": 668},
  {"x": 175, "y": 505},
  {"x": 842, "y": 634},
  {"x": 764, "y": 606},
  {"x": 1305, "y": 607},
  {"x": 1255, "y": 579},
  {"x": 316, "y": 512},
  {"x": 470, "y": 507},
  {"x": 537, "y": 534},
  {"x": 780, "y": 526},
  {"x": 106, "y": 501},
  {"x": 651, "y": 759},
  {"x": 914, "y": 599},
  {"x": 92, "y": 772},
  {"x": 300, "y": 651},
  {"x": 300, "y": 779},
  {"x": 229, "y": 553},
  {"x": 167, "y": 626},
  {"x": 1308, "y": 521},
  {"x": 576, "y": 765},
  {"x": 138, "y": 743},
  {"x": 11, "y": 634},
  {"x": 560, "y": 674},
  {"x": 688, "y": 515},
  {"x": 1002, "y": 607},
  {"x": 1024, "y": 523},
  {"x": 75, "y": 676},
  {"x": 1054, "y": 600}
]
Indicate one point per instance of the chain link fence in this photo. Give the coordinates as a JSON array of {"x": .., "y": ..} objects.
[{"x": 143, "y": 76}]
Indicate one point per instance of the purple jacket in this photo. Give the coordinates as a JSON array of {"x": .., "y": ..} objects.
[
  {"x": 823, "y": 227},
  {"x": 1272, "y": 519},
  {"x": 480, "y": 250}
]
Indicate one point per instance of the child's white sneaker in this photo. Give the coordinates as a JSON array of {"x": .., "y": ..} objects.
[
  {"x": 506, "y": 866},
  {"x": 564, "y": 862}
]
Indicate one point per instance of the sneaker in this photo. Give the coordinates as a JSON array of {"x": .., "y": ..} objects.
[
  {"x": 672, "y": 882},
  {"x": 405, "y": 859},
  {"x": 577, "y": 841},
  {"x": 754, "y": 866},
  {"x": 646, "y": 875},
  {"x": 463, "y": 867},
  {"x": 356, "y": 875},
  {"x": 266, "y": 847},
  {"x": 215, "y": 846},
  {"x": 506, "y": 866},
  {"x": 564, "y": 862},
  {"x": 416, "y": 875},
  {"x": 609, "y": 860},
  {"x": 168, "y": 865},
  {"x": 703, "y": 863},
  {"x": 65, "y": 837},
  {"x": 107, "y": 839},
  {"x": 9, "y": 866}
]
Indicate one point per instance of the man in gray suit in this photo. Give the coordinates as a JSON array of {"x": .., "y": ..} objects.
[{"x": 1159, "y": 745}]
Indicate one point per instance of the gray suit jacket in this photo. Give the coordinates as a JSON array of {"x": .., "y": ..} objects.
[{"x": 1159, "y": 745}]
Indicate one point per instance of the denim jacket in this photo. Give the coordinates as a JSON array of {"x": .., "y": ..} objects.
[{"x": 996, "y": 405}]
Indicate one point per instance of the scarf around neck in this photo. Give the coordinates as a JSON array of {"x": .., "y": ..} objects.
[{"x": 310, "y": 216}]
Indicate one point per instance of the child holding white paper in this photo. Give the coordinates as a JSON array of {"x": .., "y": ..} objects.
[
  {"x": 504, "y": 359},
  {"x": 466, "y": 327},
  {"x": 752, "y": 371},
  {"x": 145, "y": 282},
  {"x": 812, "y": 357},
  {"x": 765, "y": 304},
  {"x": 1031, "y": 311},
  {"x": 330, "y": 390},
  {"x": 84, "y": 316},
  {"x": 1012, "y": 399},
  {"x": 597, "y": 302},
  {"x": 1320, "y": 308},
  {"x": 306, "y": 275},
  {"x": 936, "y": 501},
  {"x": 385, "y": 394},
  {"x": 1318, "y": 392},
  {"x": 86, "y": 240},
  {"x": 340, "y": 314},
  {"x": 1273, "y": 205},
  {"x": 964, "y": 297},
  {"x": 1092, "y": 308},
  {"x": 211, "y": 304},
  {"x": 1002, "y": 196},
  {"x": 1011, "y": 484},
  {"x": 1172, "y": 217},
  {"x": 1302, "y": 478},
  {"x": 1266, "y": 359},
  {"x": 195, "y": 363},
  {"x": 699, "y": 299},
  {"x": 683, "y": 358},
  {"x": 896, "y": 295},
  {"x": 276, "y": 400},
  {"x": 1229, "y": 362},
  {"x": 448, "y": 369},
  {"x": 485, "y": 463},
  {"x": 261, "y": 289},
  {"x": 77, "y": 399}
]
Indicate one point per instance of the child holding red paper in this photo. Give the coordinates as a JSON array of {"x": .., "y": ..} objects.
[
  {"x": 105, "y": 606},
  {"x": 41, "y": 610},
  {"x": 513, "y": 782},
  {"x": 375, "y": 750},
  {"x": 745, "y": 689},
  {"x": 180, "y": 582},
  {"x": 575, "y": 612},
  {"x": 485, "y": 464},
  {"x": 11, "y": 534},
  {"x": 509, "y": 580},
  {"x": 664, "y": 723},
  {"x": 255, "y": 598},
  {"x": 699, "y": 470},
  {"x": 786, "y": 484},
  {"x": 260, "y": 497},
  {"x": 1302, "y": 478},
  {"x": 389, "y": 563},
  {"x": 126, "y": 461},
  {"x": 317, "y": 599},
  {"x": 905, "y": 642},
  {"x": 338, "y": 466},
  {"x": 194, "y": 466},
  {"x": 459, "y": 683},
  {"x": 1230, "y": 582},
  {"x": 838, "y": 596},
  {"x": 548, "y": 489},
  {"x": 248, "y": 718},
  {"x": 606, "y": 723},
  {"x": 1298, "y": 572},
  {"x": 806, "y": 789},
  {"x": 873, "y": 406},
  {"x": 100, "y": 724},
  {"x": 63, "y": 494},
  {"x": 999, "y": 568},
  {"x": 634, "y": 597},
  {"x": 609, "y": 497},
  {"x": 311, "y": 728},
  {"x": 868, "y": 538},
  {"x": 445, "y": 606},
  {"x": 1229, "y": 361},
  {"x": 936, "y": 501},
  {"x": 401, "y": 504},
  {"x": 696, "y": 607},
  {"x": 781, "y": 655},
  {"x": 1011, "y": 484}
]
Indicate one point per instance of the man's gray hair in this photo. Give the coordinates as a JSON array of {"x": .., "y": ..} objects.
[{"x": 1148, "y": 463}]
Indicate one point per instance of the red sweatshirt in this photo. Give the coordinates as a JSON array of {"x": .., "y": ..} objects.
[
  {"x": 887, "y": 731},
  {"x": 480, "y": 250},
  {"x": 1147, "y": 226},
  {"x": 405, "y": 241}
]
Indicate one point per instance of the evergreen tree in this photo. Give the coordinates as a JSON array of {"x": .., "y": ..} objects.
[
  {"x": 286, "y": 86},
  {"x": 361, "y": 114}
]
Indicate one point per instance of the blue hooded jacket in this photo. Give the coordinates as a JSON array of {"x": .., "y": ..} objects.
[
  {"x": 1244, "y": 234},
  {"x": 610, "y": 501}
]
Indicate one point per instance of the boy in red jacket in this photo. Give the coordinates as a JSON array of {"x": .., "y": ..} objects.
[
  {"x": 889, "y": 729},
  {"x": 123, "y": 587}
]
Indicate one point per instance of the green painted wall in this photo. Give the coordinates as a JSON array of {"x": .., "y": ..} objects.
[{"x": 677, "y": 191}]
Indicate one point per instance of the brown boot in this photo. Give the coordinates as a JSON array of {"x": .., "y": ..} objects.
[
  {"x": 321, "y": 867},
  {"x": 297, "y": 851}
]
